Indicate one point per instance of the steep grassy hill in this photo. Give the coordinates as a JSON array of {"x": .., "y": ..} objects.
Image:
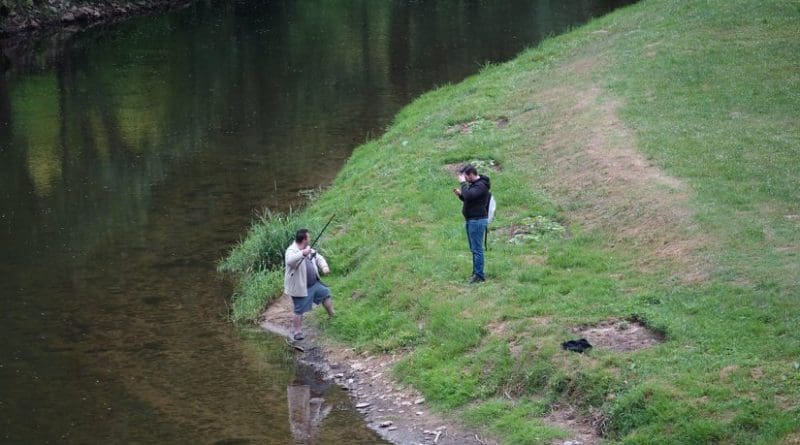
[{"x": 647, "y": 169}]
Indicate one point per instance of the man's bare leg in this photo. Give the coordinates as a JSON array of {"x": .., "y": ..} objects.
[
  {"x": 328, "y": 307},
  {"x": 297, "y": 322}
]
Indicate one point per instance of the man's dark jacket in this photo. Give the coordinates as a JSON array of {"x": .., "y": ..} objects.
[{"x": 476, "y": 198}]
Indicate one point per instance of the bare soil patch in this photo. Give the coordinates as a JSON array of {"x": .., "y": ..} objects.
[
  {"x": 466, "y": 127},
  {"x": 397, "y": 412},
  {"x": 502, "y": 330},
  {"x": 483, "y": 165},
  {"x": 585, "y": 429},
  {"x": 461, "y": 127},
  {"x": 725, "y": 373},
  {"x": 620, "y": 188},
  {"x": 792, "y": 439},
  {"x": 598, "y": 172},
  {"x": 620, "y": 335}
]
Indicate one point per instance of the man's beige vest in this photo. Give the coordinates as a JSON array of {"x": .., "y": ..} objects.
[{"x": 295, "y": 281}]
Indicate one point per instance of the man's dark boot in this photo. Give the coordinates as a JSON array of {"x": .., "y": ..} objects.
[{"x": 475, "y": 279}]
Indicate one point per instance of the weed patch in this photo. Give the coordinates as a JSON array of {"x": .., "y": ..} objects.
[
  {"x": 477, "y": 124},
  {"x": 483, "y": 165},
  {"x": 266, "y": 241},
  {"x": 533, "y": 229}
]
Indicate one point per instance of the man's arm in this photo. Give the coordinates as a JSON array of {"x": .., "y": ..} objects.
[
  {"x": 322, "y": 265},
  {"x": 472, "y": 191},
  {"x": 294, "y": 258},
  {"x": 461, "y": 180}
]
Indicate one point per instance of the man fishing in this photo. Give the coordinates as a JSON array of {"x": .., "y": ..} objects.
[
  {"x": 302, "y": 280},
  {"x": 474, "y": 192}
]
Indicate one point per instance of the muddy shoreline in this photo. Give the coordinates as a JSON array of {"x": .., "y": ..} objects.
[
  {"x": 36, "y": 37},
  {"x": 55, "y": 15},
  {"x": 397, "y": 412}
]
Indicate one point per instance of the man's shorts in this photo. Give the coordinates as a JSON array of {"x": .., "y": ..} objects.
[{"x": 316, "y": 295}]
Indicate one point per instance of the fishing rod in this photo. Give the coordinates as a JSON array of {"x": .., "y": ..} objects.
[
  {"x": 313, "y": 254},
  {"x": 320, "y": 234}
]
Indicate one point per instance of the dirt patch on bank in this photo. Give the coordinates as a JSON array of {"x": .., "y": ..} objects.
[
  {"x": 466, "y": 127},
  {"x": 482, "y": 165},
  {"x": 792, "y": 439},
  {"x": 620, "y": 335},
  {"x": 584, "y": 428},
  {"x": 607, "y": 182},
  {"x": 397, "y": 412}
]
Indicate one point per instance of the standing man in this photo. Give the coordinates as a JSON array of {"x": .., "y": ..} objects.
[
  {"x": 302, "y": 280},
  {"x": 474, "y": 192}
]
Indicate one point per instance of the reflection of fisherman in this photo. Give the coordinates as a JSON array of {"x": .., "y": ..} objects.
[
  {"x": 305, "y": 413},
  {"x": 302, "y": 280}
]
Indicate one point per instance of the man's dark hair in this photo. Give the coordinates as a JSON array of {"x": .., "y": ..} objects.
[
  {"x": 469, "y": 169},
  {"x": 300, "y": 235}
]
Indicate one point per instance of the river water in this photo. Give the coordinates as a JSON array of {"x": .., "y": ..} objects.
[{"x": 134, "y": 158}]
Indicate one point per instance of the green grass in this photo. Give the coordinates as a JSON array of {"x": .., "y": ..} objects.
[{"x": 710, "y": 94}]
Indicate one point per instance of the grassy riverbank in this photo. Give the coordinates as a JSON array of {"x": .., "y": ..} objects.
[{"x": 663, "y": 139}]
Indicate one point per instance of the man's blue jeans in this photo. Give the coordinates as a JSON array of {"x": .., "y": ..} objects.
[{"x": 476, "y": 228}]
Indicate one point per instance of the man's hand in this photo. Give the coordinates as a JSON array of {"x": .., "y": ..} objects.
[
  {"x": 306, "y": 251},
  {"x": 457, "y": 192},
  {"x": 326, "y": 271},
  {"x": 462, "y": 178}
]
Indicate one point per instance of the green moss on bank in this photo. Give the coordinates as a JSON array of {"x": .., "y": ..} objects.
[{"x": 709, "y": 94}]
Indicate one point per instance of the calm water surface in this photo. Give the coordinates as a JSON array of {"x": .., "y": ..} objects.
[{"x": 134, "y": 159}]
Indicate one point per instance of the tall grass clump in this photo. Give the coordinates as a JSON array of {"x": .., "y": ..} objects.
[
  {"x": 257, "y": 261},
  {"x": 263, "y": 247}
]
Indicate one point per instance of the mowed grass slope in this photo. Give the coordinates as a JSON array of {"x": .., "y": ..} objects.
[{"x": 664, "y": 138}]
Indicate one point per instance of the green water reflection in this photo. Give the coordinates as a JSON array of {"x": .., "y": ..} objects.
[{"x": 133, "y": 159}]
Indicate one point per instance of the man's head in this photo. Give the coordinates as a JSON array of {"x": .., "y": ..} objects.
[
  {"x": 301, "y": 238},
  {"x": 470, "y": 172}
]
